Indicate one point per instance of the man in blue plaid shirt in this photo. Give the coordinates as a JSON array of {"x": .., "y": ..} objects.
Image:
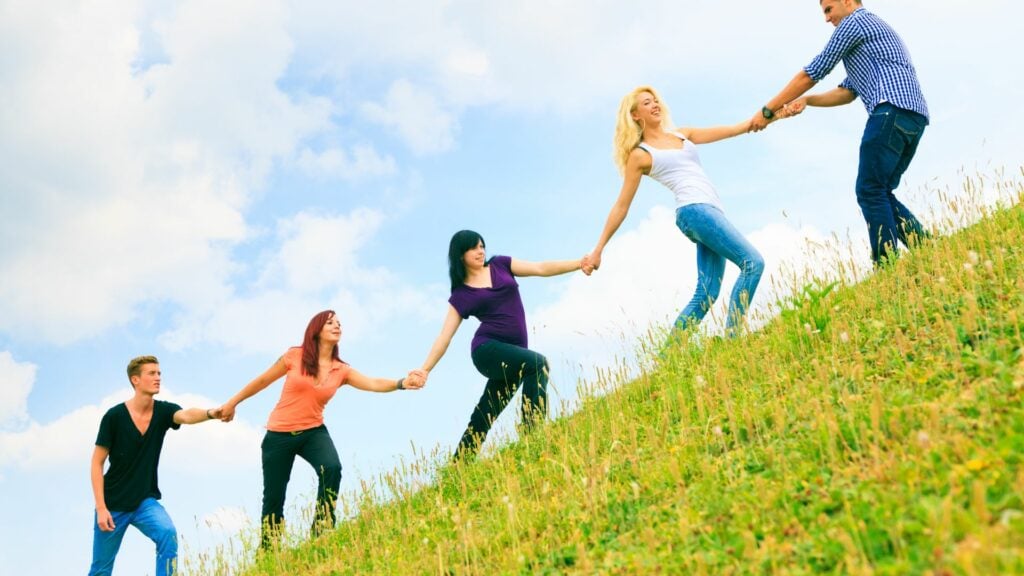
[{"x": 880, "y": 72}]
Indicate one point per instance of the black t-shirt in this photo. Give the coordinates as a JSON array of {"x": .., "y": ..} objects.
[{"x": 134, "y": 457}]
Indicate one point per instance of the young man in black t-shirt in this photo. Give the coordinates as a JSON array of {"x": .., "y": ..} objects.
[{"x": 132, "y": 435}]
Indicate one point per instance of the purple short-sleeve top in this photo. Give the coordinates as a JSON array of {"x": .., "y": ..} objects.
[{"x": 499, "y": 308}]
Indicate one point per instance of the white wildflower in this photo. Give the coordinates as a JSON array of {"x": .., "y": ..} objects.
[{"x": 923, "y": 439}]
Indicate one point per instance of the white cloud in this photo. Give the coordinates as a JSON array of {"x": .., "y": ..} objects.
[
  {"x": 122, "y": 185},
  {"x": 63, "y": 442},
  {"x": 468, "y": 62},
  {"x": 361, "y": 162},
  {"x": 320, "y": 250},
  {"x": 314, "y": 265},
  {"x": 416, "y": 115},
  {"x": 16, "y": 380},
  {"x": 267, "y": 322},
  {"x": 231, "y": 446}
]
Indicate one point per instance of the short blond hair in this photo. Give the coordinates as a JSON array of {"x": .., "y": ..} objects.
[{"x": 135, "y": 365}]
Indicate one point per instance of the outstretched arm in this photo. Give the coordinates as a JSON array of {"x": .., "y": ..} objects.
[
  {"x": 103, "y": 518},
  {"x": 639, "y": 162},
  {"x": 800, "y": 83},
  {"x": 363, "y": 382},
  {"x": 277, "y": 370},
  {"x": 549, "y": 268},
  {"x": 452, "y": 321},
  {"x": 716, "y": 133},
  {"x": 835, "y": 97},
  {"x": 196, "y": 415}
]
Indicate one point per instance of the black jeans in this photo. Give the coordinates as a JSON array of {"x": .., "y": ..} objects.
[
  {"x": 279, "y": 451},
  {"x": 506, "y": 366}
]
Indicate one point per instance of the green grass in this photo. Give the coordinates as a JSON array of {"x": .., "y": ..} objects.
[{"x": 874, "y": 427}]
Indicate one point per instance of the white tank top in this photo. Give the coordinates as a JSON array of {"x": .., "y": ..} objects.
[{"x": 681, "y": 172}]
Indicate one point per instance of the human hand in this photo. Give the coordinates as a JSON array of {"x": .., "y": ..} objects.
[
  {"x": 794, "y": 108},
  {"x": 758, "y": 122},
  {"x": 227, "y": 412},
  {"x": 415, "y": 380},
  {"x": 215, "y": 413},
  {"x": 104, "y": 520},
  {"x": 593, "y": 261},
  {"x": 586, "y": 266}
]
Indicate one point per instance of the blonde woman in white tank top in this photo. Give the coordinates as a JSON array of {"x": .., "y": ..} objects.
[{"x": 646, "y": 144}]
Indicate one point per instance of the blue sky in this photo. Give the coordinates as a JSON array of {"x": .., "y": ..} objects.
[{"x": 195, "y": 180}]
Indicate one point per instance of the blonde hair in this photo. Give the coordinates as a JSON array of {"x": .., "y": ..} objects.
[
  {"x": 629, "y": 132},
  {"x": 135, "y": 366}
]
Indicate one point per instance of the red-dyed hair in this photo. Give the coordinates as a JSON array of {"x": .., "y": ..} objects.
[{"x": 311, "y": 343}]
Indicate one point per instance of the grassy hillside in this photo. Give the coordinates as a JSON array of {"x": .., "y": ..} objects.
[{"x": 871, "y": 428}]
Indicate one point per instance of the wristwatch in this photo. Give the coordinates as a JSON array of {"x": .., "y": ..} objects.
[{"x": 767, "y": 113}]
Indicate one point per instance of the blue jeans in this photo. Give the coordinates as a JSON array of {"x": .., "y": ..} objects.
[
  {"x": 152, "y": 520},
  {"x": 717, "y": 240},
  {"x": 890, "y": 140}
]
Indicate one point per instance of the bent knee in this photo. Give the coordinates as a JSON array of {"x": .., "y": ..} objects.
[
  {"x": 539, "y": 365},
  {"x": 167, "y": 541},
  {"x": 754, "y": 264},
  {"x": 331, "y": 472}
]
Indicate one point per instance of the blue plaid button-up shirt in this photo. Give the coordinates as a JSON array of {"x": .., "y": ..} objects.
[{"x": 878, "y": 66}]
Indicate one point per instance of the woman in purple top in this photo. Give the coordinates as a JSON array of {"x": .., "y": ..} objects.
[{"x": 487, "y": 289}]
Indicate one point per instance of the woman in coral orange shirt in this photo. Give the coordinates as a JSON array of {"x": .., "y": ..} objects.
[{"x": 314, "y": 372}]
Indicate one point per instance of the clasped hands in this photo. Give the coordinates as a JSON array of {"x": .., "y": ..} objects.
[
  {"x": 758, "y": 122},
  {"x": 589, "y": 263},
  {"x": 415, "y": 380}
]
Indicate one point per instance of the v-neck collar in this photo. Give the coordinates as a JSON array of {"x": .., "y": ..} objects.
[{"x": 141, "y": 433}]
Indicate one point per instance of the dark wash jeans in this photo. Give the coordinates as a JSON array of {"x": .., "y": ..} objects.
[
  {"x": 279, "y": 451},
  {"x": 890, "y": 140},
  {"x": 506, "y": 366}
]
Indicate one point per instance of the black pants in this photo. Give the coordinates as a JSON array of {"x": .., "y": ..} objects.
[
  {"x": 279, "y": 451},
  {"x": 506, "y": 366}
]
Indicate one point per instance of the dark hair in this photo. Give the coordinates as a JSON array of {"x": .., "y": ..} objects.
[
  {"x": 463, "y": 241},
  {"x": 311, "y": 343}
]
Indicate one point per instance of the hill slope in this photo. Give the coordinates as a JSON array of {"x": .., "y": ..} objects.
[{"x": 872, "y": 428}]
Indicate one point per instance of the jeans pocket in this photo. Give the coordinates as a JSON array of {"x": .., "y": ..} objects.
[
  {"x": 904, "y": 131},
  {"x": 878, "y": 128}
]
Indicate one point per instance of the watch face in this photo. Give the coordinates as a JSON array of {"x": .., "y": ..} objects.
[{"x": 767, "y": 113}]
